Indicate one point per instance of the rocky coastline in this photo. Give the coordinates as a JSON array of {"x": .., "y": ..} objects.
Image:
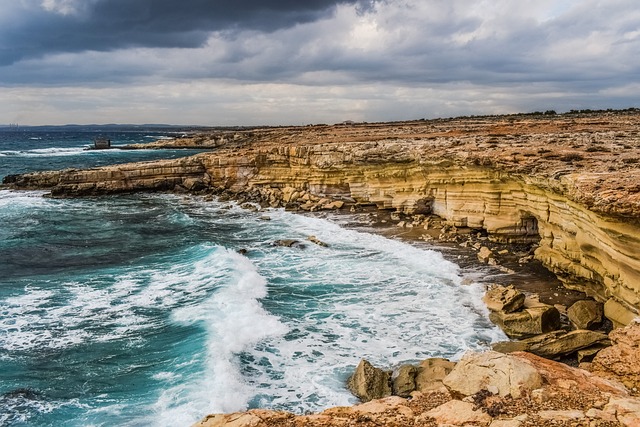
[{"x": 559, "y": 190}]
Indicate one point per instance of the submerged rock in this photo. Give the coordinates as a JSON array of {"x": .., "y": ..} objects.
[
  {"x": 317, "y": 241},
  {"x": 289, "y": 243}
]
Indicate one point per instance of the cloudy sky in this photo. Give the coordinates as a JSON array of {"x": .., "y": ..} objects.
[{"x": 245, "y": 62}]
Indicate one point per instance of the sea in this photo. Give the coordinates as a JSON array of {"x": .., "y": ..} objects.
[{"x": 136, "y": 310}]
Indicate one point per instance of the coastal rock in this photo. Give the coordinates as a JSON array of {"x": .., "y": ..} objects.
[
  {"x": 503, "y": 298},
  {"x": 528, "y": 322},
  {"x": 554, "y": 344},
  {"x": 621, "y": 361},
  {"x": 566, "y": 377},
  {"x": 618, "y": 313},
  {"x": 369, "y": 382},
  {"x": 485, "y": 254},
  {"x": 431, "y": 372},
  {"x": 504, "y": 374},
  {"x": 626, "y": 410},
  {"x": 403, "y": 380},
  {"x": 317, "y": 241},
  {"x": 585, "y": 314},
  {"x": 561, "y": 395}
]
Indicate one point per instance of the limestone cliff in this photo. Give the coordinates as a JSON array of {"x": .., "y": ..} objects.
[{"x": 573, "y": 182}]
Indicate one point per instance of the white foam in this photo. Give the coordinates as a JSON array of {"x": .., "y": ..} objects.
[
  {"x": 41, "y": 318},
  {"x": 235, "y": 321},
  {"x": 22, "y": 199},
  {"x": 50, "y": 152},
  {"x": 363, "y": 296}
]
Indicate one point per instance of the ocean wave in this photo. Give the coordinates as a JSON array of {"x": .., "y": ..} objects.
[
  {"x": 53, "y": 151},
  {"x": 101, "y": 308},
  {"x": 235, "y": 321}
]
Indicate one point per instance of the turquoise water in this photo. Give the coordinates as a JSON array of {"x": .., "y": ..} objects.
[{"x": 137, "y": 310}]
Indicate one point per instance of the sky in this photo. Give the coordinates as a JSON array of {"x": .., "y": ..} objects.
[{"x": 295, "y": 62}]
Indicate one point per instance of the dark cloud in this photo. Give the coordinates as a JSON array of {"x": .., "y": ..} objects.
[
  {"x": 103, "y": 25},
  {"x": 384, "y": 58}
]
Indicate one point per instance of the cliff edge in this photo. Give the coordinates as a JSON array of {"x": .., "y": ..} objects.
[{"x": 571, "y": 182}]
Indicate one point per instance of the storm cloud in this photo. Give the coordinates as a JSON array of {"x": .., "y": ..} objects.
[
  {"x": 280, "y": 62},
  {"x": 53, "y": 26}
]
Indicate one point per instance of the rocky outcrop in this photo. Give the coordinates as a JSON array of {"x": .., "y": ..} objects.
[
  {"x": 521, "y": 179},
  {"x": 621, "y": 361},
  {"x": 505, "y": 390},
  {"x": 495, "y": 372},
  {"x": 369, "y": 382}
]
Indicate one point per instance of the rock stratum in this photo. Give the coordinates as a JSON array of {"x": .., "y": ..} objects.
[{"x": 570, "y": 182}]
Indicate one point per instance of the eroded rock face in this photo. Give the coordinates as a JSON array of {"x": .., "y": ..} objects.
[
  {"x": 621, "y": 361},
  {"x": 583, "y": 209}
]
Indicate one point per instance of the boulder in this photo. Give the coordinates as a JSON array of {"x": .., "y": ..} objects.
[
  {"x": 621, "y": 361},
  {"x": 193, "y": 184},
  {"x": 403, "y": 380},
  {"x": 528, "y": 322},
  {"x": 585, "y": 314},
  {"x": 554, "y": 344},
  {"x": 485, "y": 254},
  {"x": 503, "y": 298},
  {"x": 587, "y": 354},
  {"x": 368, "y": 382},
  {"x": 501, "y": 373},
  {"x": 431, "y": 372}
]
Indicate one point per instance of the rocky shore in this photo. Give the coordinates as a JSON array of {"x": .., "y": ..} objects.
[
  {"x": 482, "y": 389},
  {"x": 563, "y": 190}
]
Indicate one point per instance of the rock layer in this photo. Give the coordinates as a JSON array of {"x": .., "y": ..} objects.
[{"x": 570, "y": 182}]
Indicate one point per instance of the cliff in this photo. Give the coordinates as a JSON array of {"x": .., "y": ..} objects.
[{"x": 570, "y": 181}]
